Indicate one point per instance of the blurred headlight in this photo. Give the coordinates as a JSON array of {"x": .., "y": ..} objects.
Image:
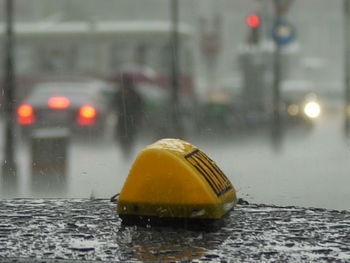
[
  {"x": 293, "y": 109},
  {"x": 348, "y": 110},
  {"x": 312, "y": 109}
]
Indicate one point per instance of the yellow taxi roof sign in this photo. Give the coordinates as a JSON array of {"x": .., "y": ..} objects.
[{"x": 172, "y": 178}]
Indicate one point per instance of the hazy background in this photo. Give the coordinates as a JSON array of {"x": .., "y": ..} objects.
[{"x": 310, "y": 167}]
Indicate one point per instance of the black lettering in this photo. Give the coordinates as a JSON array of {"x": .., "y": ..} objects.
[
  {"x": 210, "y": 171},
  {"x": 225, "y": 182},
  {"x": 203, "y": 172},
  {"x": 209, "y": 162}
]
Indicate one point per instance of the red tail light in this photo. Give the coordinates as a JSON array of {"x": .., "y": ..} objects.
[
  {"x": 87, "y": 115},
  {"x": 25, "y": 114},
  {"x": 58, "y": 102}
]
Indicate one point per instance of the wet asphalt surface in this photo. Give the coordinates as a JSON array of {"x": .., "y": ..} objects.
[{"x": 61, "y": 230}]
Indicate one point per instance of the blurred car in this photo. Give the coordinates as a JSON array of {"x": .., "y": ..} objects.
[
  {"x": 81, "y": 106},
  {"x": 301, "y": 106}
]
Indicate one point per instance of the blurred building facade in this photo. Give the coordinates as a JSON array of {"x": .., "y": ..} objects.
[{"x": 315, "y": 56}]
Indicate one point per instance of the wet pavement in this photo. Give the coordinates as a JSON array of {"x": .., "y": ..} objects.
[{"x": 59, "y": 230}]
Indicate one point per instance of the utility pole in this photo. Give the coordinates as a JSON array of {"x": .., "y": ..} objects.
[
  {"x": 281, "y": 8},
  {"x": 276, "y": 97},
  {"x": 175, "y": 70},
  {"x": 211, "y": 30},
  {"x": 346, "y": 7},
  {"x": 9, "y": 175}
]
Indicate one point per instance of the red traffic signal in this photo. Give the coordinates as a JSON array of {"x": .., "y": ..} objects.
[{"x": 253, "y": 21}]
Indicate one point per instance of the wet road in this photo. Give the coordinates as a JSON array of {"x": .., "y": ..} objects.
[
  {"x": 84, "y": 229},
  {"x": 311, "y": 169}
]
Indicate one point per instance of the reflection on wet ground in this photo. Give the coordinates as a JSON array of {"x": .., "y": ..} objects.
[{"x": 85, "y": 229}]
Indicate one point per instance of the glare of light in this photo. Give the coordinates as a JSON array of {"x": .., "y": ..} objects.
[
  {"x": 87, "y": 111},
  {"x": 25, "y": 110},
  {"x": 25, "y": 114},
  {"x": 312, "y": 109},
  {"x": 58, "y": 102},
  {"x": 253, "y": 21},
  {"x": 293, "y": 109}
]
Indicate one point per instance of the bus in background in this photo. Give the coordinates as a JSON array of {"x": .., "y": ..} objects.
[{"x": 99, "y": 49}]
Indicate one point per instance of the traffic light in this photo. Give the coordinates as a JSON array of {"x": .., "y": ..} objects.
[{"x": 253, "y": 22}]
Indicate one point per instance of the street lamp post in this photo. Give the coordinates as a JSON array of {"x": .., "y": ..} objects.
[{"x": 8, "y": 164}]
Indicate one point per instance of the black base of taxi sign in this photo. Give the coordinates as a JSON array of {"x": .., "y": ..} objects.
[
  {"x": 193, "y": 224},
  {"x": 172, "y": 180}
]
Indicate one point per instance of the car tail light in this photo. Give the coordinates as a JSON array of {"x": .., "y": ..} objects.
[
  {"x": 25, "y": 114},
  {"x": 58, "y": 102},
  {"x": 87, "y": 115}
]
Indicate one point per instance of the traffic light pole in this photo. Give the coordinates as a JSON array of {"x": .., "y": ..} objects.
[
  {"x": 276, "y": 98},
  {"x": 9, "y": 176},
  {"x": 281, "y": 8}
]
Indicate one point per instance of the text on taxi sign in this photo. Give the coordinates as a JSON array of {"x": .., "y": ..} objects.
[{"x": 210, "y": 171}]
